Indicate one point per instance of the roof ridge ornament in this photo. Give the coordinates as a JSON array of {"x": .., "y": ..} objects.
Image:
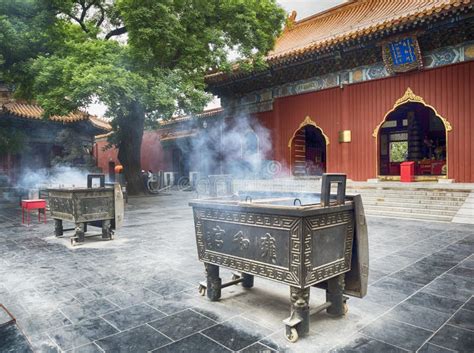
[{"x": 290, "y": 21}]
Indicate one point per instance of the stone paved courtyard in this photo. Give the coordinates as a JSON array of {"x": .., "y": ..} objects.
[{"x": 139, "y": 292}]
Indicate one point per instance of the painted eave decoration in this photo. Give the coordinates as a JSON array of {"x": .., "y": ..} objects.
[{"x": 350, "y": 21}]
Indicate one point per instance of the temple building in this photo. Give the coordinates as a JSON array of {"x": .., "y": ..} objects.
[
  {"x": 31, "y": 142},
  {"x": 359, "y": 89}
]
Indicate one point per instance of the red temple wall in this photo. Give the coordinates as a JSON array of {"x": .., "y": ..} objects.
[
  {"x": 153, "y": 156},
  {"x": 361, "y": 107}
]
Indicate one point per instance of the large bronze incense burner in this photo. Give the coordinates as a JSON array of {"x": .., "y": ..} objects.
[
  {"x": 96, "y": 206},
  {"x": 302, "y": 240}
]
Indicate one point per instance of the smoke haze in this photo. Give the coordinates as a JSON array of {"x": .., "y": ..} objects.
[
  {"x": 241, "y": 147},
  {"x": 58, "y": 176}
]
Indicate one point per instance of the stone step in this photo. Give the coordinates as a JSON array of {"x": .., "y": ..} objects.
[
  {"x": 429, "y": 217},
  {"x": 414, "y": 198},
  {"x": 408, "y": 192},
  {"x": 421, "y": 211},
  {"x": 465, "y": 213},
  {"x": 415, "y": 205},
  {"x": 413, "y": 201}
]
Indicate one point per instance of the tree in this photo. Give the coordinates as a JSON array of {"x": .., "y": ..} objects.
[{"x": 144, "y": 59}]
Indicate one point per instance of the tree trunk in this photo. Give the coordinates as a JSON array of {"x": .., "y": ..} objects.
[{"x": 129, "y": 147}]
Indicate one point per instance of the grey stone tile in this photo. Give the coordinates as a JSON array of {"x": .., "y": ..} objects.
[
  {"x": 196, "y": 343},
  {"x": 42, "y": 343},
  {"x": 77, "y": 311},
  {"x": 313, "y": 343},
  {"x": 410, "y": 254},
  {"x": 13, "y": 341},
  {"x": 44, "y": 272},
  {"x": 454, "y": 338},
  {"x": 169, "y": 287},
  {"x": 440, "y": 259},
  {"x": 469, "y": 304},
  {"x": 431, "y": 348},
  {"x": 237, "y": 333},
  {"x": 434, "y": 302},
  {"x": 88, "y": 348},
  {"x": 451, "y": 286},
  {"x": 133, "y": 316},
  {"x": 390, "y": 291},
  {"x": 365, "y": 344},
  {"x": 396, "y": 333},
  {"x": 418, "y": 316},
  {"x": 459, "y": 251},
  {"x": 182, "y": 324},
  {"x": 463, "y": 319},
  {"x": 468, "y": 263},
  {"x": 375, "y": 275},
  {"x": 85, "y": 295},
  {"x": 38, "y": 323},
  {"x": 132, "y": 297},
  {"x": 391, "y": 263},
  {"x": 257, "y": 348},
  {"x": 138, "y": 339},
  {"x": 466, "y": 273},
  {"x": 419, "y": 273},
  {"x": 219, "y": 311},
  {"x": 73, "y": 336},
  {"x": 104, "y": 289},
  {"x": 69, "y": 337},
  {"x": 171, "y": 304}
]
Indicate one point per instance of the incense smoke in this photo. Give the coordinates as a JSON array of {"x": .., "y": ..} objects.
[
  {"x": 241, "y": 147},
  {"x": 58, "y": 176}
]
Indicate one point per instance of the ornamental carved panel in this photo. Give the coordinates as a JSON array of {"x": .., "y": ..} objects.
[
  {"x": 265, "y": 245},
  {"x": 328, "y": 242}
]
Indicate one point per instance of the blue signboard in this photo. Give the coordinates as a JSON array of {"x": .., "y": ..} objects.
[
  {"x": 403, "y": 51},
  {"x": 402, "y": 54}
]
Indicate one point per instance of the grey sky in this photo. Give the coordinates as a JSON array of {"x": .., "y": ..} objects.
[{"x": 306, "y": 8}]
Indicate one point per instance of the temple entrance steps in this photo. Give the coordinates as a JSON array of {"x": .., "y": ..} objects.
[
  {"x": 445, "y": 202},
  {"x": 403, "y": 201}
]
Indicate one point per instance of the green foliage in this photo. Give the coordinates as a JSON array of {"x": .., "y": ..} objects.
[
  {"x": 196, "y": 34},
  {"x": 57, "y": 51},
  {"x": 26, "y": 29},
  {"x": 69, "y": 53},
  {"x": 398, "y": 151}
]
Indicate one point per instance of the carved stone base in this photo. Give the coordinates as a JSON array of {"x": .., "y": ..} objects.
[
  {"x": 300, "y": 308},
  {"x": 80, "y": 232}
]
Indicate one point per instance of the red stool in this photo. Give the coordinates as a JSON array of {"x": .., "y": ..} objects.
[{"x": 32, "y": 205}]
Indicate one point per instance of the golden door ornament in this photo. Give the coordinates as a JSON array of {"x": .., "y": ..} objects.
[{"x": 307, "y": 122}]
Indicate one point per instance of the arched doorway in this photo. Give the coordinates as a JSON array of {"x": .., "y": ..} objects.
[
  {"x": 412, "y": 131},
  {"x": 308, "y": 150}
]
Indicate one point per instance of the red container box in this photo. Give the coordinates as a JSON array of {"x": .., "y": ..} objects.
[
  {"x": 28, "y": 205},
  {"x": 407, "y": 172}
]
